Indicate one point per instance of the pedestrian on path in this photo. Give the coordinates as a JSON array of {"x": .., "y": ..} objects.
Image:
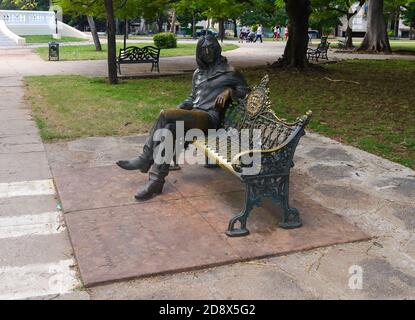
[
  {"x": 286, "y": 33},
  {"x": 258, "y": 33},
  {"x": 242, "y": 34},
  {"x": 276, "y": 32}
]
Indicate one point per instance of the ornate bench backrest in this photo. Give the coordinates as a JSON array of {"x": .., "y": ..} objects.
[
  {"x": 323, "y": 46},
  {"x": 255, "y": 112},
  {"x": 133, "y": 53}
]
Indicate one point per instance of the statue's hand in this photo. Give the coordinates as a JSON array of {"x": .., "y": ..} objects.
[{"x": 223, "y": 99}]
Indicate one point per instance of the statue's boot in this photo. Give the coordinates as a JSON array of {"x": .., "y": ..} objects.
[
  {"x": 143, "y": 162},
  {"x": 140, "y": 163},
  {"x": 149, "y": 190}
]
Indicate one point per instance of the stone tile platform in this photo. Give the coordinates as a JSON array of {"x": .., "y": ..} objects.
[{"x": 116, "y": 237}]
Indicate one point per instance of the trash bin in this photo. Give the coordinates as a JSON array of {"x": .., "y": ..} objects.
[{"x": 53, "y": 51}]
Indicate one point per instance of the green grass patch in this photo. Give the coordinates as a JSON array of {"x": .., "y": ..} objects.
[
  {"x": 48, "y": 38},
  {"x": 376, "y": 114},
  {"x": 88, "y": 52}
]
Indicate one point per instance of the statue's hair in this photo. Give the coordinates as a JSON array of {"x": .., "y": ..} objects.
[{"x": 200, "y": 44}]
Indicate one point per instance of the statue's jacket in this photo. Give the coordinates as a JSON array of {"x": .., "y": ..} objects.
[{"x": 209, "y": 82}]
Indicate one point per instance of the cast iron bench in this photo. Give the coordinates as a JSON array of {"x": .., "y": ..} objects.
[
  {"x": 148, "y": 54},
  {"x": 320, "y": 51},
  {"x": 279, "y": 140}
]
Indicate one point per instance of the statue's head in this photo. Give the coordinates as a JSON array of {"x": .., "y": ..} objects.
[{"x": 208, "y": 50}]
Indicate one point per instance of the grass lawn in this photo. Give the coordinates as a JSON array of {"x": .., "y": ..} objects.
[
  {"x": 48, "y": 38},
  {"x": 87, "y": 52},
  {"x": 376, "y": 114}
]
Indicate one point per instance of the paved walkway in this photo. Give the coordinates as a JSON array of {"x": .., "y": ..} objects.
[
  {"x": 36, "y": 257},
  {"x": 24, "y": 62}
]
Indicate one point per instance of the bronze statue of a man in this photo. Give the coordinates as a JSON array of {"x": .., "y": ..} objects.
[{"x": 214, "y": 84}]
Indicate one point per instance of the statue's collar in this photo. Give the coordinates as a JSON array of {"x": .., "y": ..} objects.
[{"x": 220, "y": 67}]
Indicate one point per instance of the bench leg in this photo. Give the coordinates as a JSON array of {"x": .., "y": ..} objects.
[
  {"x": 174, "y": 166},
  {"x": 291, "y": 216},
  {"x": 242, "y": 216}
]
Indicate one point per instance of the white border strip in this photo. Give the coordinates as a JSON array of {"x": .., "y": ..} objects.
[
  {"x": 28, "y": 225},
  {"x": 27, "y": 188},
  {"x": 37, "y": 280}
]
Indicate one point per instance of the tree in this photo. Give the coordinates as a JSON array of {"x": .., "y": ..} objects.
[
  {"x": 298, "y": 12},
  {"x": 222, "y": 10},
  {"x": 90, "y": 8},
  {"x": 94, "y": 33},
  {"x": 24, "y": 4},
  {"x": 265, "y": 13},
  {"x": 376, "y": 37},
  {"x": 408, "y": 15},
  {"x": 189, "y": 12},
  {"x": 112, "y": 44},
  {"x": 329, "y": 11},
  {"x": 155, "y": 10}
]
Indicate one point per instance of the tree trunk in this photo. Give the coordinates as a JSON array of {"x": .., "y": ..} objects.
[
  {"x": 376, "y": 37},
  {"x": 349, "y": 32},
  {"x": 117, "y": 26},
  {"x": 160, "y": 24},
  {"x": 142, "y": 25},
  {"x": 94, "y": 33},
  {"x": 235, "y": 29},
  {"x": 298, "y": 12},
  {"x": 125, "y": 32},
  {"x": 397, "y": 17},
  {"x": 173, "y": 23},
  {"x": 194, "y": 26},
  {"x": 112, "y": 54},
  {"x": 221, "y": 29}
]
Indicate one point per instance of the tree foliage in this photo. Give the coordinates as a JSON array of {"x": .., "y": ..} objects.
[{"x": 24, "y": 4}]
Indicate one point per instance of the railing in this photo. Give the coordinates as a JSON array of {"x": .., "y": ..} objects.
[{"x": 19, "y": 17}]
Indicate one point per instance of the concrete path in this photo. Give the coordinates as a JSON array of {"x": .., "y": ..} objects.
[
  {"x": 24, "y": 62},
  {"x": 36, "y": 256}
]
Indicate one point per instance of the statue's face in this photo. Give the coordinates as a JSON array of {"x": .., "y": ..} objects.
[{"x": 208, "y": 52}]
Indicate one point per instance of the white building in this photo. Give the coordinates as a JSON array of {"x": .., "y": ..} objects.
[
  {"x": 359, "y": 24},
  {"x": 17, "y": 23}
]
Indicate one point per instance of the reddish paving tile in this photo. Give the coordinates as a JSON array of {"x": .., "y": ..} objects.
[
  {"x": 195, "y": 180},
  {"x": 100, "y": 187},
  {"x": 114, "y": 237},
  {"x": 320, "y": 226},
  {"x": 143, "y": 239}
]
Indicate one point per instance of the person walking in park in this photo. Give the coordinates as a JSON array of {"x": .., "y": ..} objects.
[
  {"x": 258, "y": 33},
  {"x": 286, "y": 33},
  {"x": 276, "y": 32},
  {"x": 242, "y": 34}
]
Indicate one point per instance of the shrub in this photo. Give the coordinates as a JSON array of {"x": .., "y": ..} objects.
[{"x": 165, "y": 40}]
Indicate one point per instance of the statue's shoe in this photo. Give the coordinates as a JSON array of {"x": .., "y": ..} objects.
[
  {"x": 139, "y": 163},
  {"x": 150, "y": 190}
]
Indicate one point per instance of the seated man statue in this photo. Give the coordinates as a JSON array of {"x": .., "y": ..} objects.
[{"x": 214, "y": 85}]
